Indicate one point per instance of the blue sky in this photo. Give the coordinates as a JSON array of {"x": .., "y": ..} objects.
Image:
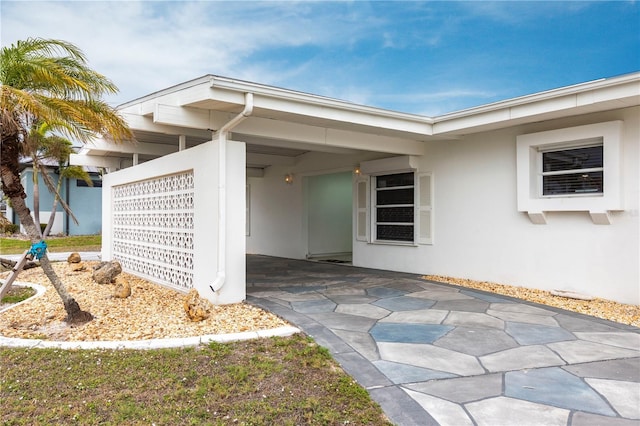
[{"x": 419, "y": 57}]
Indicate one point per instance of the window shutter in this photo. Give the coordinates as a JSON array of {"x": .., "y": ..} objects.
[
  {"x": 362, "y": 209},
  {"x": 425, "y": 208},
  {"x": 248, "y": 211}
]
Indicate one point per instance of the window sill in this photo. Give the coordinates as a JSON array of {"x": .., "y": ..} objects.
[{"x": 394, "y": 243}]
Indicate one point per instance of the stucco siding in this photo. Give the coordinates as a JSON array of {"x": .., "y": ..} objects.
[
  {"x": 86, "y": 205},
  {"x": 479, "y": 233}
]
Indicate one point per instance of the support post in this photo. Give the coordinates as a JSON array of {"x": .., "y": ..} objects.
[{"x": 6, "y": 286}]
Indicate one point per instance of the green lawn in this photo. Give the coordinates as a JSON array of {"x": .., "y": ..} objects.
[
  {"x": 276, "y": 381},
  {"x": 54, "y": 244}
]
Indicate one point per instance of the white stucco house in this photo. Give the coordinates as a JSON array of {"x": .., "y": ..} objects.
[{"x": 538, "y": 191}]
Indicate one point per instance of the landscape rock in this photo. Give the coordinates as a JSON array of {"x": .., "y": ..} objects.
[
  {"x": 74, "y": 258},
  {"x": 151, "y": 312},
  {"x": 77, "y": 267},
  {"x": 122, "y": 289},
  {"x": 106, "y": 272},
  {"x": 196, "y": 307}
]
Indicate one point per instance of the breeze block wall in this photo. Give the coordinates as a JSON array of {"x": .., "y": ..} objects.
[{"x": 160, "y": 221}]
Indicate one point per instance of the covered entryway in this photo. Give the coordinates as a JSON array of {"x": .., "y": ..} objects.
[{"x": 271, "y": 165}]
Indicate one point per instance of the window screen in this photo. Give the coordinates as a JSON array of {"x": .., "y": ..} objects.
[
  {"x": 394, "y": 205},
  {"x": 573, "y": 171}
]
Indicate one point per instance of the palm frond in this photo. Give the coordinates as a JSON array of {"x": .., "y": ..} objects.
[{"x": 49, "y": 80}]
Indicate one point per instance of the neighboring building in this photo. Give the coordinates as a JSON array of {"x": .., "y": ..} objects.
[
  {"x": 85, "y": 202},
  {"x": 539, "y": 191}
]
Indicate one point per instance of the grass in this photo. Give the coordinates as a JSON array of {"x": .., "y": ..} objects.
[
  {"x": 17, "y": 294},
  {"x": 284, "y": 381},
  {"x": 54, "y": 244}
]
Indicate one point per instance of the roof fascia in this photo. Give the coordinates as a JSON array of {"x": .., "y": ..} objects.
[
  {"x": 224, "y": 94},
  {"x": 543, "y": 105},
  {"x": 217, "y": 82},
  {"x": 531, "y": 107},
  {"x": 163, "y": 92},
  {"x": 285, "y": 101}
]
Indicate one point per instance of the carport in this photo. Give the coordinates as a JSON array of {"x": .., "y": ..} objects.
[{"x": 272, "y": 169}]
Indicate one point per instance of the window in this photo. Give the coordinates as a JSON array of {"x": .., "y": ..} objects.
[
  {"x": 571, "y": 169},
  {"x": 393, "y": 202},
  {"x": 97, "y": 183},
  {"x": 574, "y": 171},
  {"x": 394, "y": 207}
]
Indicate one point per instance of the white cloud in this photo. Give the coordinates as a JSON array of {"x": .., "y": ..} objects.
[{"x": 146, "y": 46}]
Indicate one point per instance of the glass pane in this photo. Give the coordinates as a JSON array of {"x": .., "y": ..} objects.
[
  {"x": 572, "y": 159},
  {"x": 395, "y": 196},
  {"x": 400, "y": 179},
  {"x": 574, "y": 183},
  {"x": 394, "y": 232},
  {"x": 395, "y": 214}
]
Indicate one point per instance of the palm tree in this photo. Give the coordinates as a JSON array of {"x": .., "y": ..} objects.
[
  {"x": 42, "y": 146},
  {"x": 48, "y": 81}
]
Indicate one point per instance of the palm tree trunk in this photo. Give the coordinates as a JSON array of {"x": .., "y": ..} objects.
[
  {"x": 13, "y": 189},
  {"x": 75, "y": 315},
  {"x": 52, "y": 217},
  {"x": 36, "y": 195}
]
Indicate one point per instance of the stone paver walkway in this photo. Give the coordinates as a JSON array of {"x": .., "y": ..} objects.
[{"x": 431, "y": 353}]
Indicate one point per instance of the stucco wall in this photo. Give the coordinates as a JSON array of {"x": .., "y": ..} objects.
[
  {"x": 276, "y": 217},
  {"x": 278, "y": 212},
  {"x": 86, "y": 204},
  {"x": 479, "y": 233}
]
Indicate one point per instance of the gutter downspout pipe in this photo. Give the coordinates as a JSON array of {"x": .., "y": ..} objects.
[{"x": 222, "y": 135}]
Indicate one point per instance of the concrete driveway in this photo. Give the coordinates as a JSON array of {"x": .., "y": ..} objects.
[{"x": 432, "y": 353}]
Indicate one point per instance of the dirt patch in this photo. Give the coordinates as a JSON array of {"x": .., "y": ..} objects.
[{"x": 151, "y": 312}]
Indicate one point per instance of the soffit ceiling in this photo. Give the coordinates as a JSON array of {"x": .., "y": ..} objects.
[{"x": 269, "y": 149}]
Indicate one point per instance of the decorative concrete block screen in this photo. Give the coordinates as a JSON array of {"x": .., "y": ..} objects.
[
  {"x": 160, "y": 220},
  {"x": 153, "y": 225}
]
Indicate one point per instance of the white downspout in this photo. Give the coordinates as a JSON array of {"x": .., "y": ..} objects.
[{"x": 222, "y": 134}]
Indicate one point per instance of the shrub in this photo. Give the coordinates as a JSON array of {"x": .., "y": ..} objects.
[{"x": 9, "y": 228}]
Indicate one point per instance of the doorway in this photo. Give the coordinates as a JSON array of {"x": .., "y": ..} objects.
[{"x": 329, "y": 217}]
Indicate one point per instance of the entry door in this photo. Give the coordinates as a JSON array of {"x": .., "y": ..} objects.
[{"x": 329, "y": 209}]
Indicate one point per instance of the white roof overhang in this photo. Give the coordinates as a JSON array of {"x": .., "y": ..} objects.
[
  {"x": 595, "y": 96},
  {"x": 286, "y": 123}
]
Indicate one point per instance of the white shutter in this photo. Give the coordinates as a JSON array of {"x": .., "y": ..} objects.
[
  {"x": 362, "y": 208},
  {"x": 248, "y": 211},
  {"x": 425, "y": 208}
]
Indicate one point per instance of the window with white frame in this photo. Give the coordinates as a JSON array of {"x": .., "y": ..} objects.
[
  {"x": 394, "y": 207},
  {"x": 570, "y": 169}
]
